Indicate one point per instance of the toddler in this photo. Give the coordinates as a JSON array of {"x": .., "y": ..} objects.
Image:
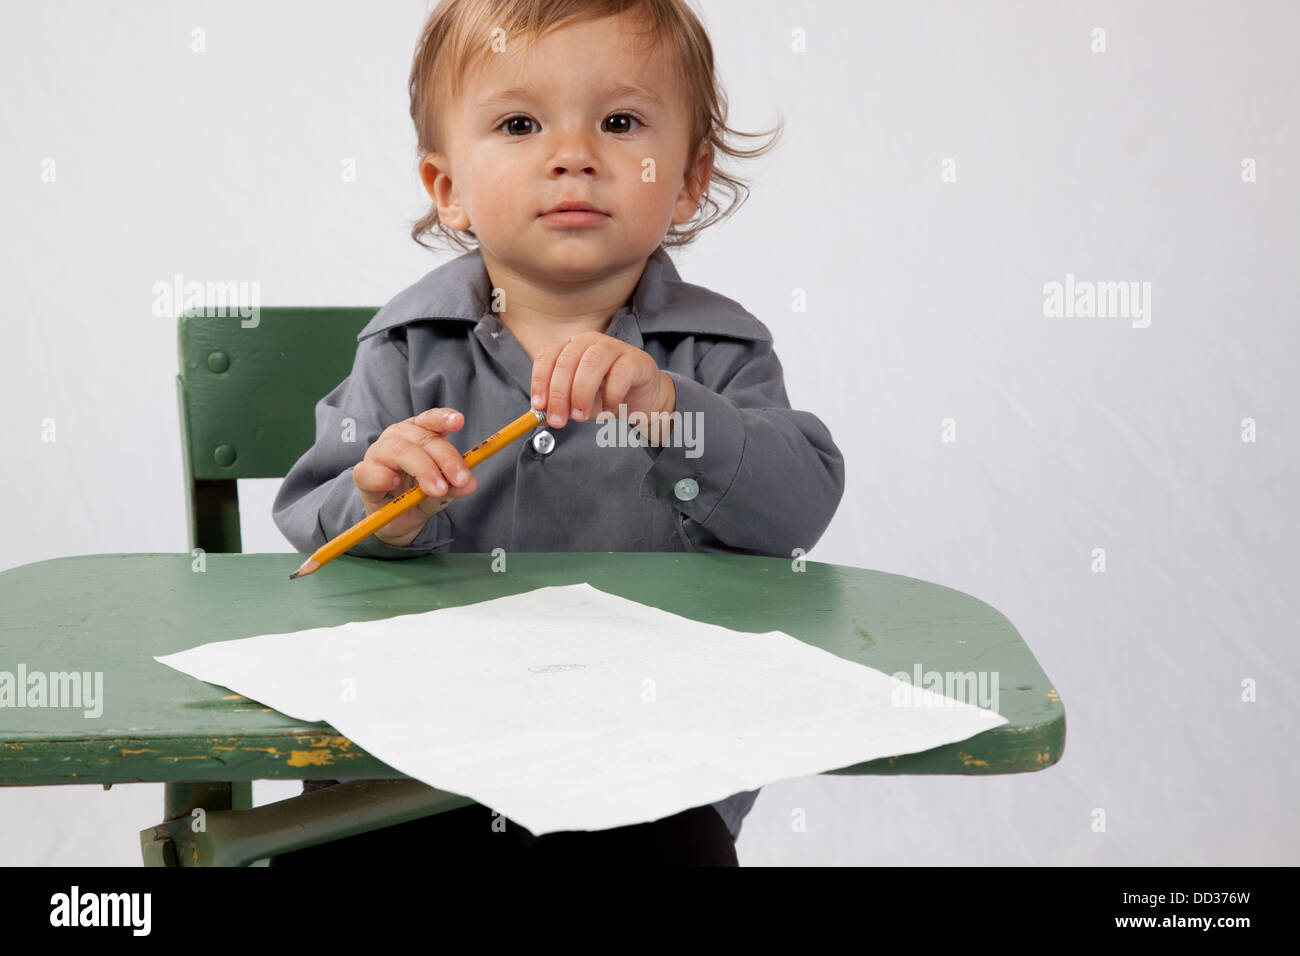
[{"x": 565, "y": 145}]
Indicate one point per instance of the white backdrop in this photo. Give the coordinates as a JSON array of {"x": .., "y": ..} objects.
[{"x": 925, "y": 302}]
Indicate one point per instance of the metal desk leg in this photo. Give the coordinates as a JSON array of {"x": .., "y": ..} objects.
[
  {"x": 232, "y": 837},
  {"x": 180, "y": 800}
]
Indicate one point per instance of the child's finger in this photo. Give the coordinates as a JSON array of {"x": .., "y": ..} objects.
[
  {"x": 618, "y": 381},
  {"x": 439, "y": 420},
  {"x": 434, "y": 461},
  {"x": 374, "y": 478},
  {"x": 558, "y": 399},
  {"x": 416, "y": 461},
  {"x": 593, "y": 365},
  {"x": 543, "y": 366},
  {"x": 449, "y": 461}
]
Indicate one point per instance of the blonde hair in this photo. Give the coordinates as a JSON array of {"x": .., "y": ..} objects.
[{"x": 456, "y": 39}]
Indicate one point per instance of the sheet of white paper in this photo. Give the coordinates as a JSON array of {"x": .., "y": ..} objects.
[{"x": 569, "y": 708}]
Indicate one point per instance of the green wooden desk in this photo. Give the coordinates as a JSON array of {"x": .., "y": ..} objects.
[{"x": 111, "y": 613}]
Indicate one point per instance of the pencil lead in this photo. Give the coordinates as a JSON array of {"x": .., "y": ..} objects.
[{"x": 307, "y": 567}]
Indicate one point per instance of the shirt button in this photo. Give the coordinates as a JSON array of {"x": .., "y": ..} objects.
[
  {"x": 686, "y": 489},
  {"x": 543, "y": 442}
]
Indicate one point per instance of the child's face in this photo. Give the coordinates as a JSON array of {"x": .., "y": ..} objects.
[{"x": 565, "y": 135}]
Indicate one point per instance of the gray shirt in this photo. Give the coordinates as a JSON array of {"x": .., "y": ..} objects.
[{"x": 744, "y": 472}]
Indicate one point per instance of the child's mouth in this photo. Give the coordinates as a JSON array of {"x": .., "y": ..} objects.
[{"x": 575, "y": 217}]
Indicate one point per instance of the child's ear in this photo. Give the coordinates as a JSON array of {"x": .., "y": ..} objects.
[
  {"x": 703, "y": 171},
  {"x": 696, "y": 180},
  {"x": 435, "y": 173}
]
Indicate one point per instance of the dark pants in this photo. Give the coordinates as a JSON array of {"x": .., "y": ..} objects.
[{"x": 694, "y": 837}]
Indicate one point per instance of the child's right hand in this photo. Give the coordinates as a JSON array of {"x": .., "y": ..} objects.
[{"x": 409, "y": 451}]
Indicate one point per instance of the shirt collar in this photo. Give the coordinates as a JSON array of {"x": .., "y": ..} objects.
[{"x": 461, "y": 290}]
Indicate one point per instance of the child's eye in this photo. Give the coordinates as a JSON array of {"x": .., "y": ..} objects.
[
  {"x": 628, "y": 116},
  {"x": 516, "y": 119}
]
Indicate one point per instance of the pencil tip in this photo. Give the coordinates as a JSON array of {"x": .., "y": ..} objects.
[{"x": 307, "y": 567}]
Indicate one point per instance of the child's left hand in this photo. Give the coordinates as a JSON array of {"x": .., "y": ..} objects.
[{"x": 592, "y": 372}]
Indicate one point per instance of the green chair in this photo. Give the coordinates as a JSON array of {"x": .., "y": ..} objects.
[{"x": 247, "y": 399}]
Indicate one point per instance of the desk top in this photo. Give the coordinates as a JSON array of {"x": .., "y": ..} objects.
[{"x": 111, "y": 613}]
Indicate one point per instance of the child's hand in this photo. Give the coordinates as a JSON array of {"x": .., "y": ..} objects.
[
  {"x": 408, "y": 451},
  {"x": 593, "y": 372}
]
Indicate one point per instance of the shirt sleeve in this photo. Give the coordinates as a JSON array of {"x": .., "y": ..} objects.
[
  {"x": 746, "y": 472},
  {"x": 318, "y": 499}
]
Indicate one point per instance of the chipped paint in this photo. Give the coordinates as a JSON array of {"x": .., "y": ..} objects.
[
  {"x": 1053, "y": 695},
  {"x": 322, "y": 753},
  {"x": 310, "y": 758},
  {"x": 234, "y": 697},
  {"x": 142, "y": 750}
]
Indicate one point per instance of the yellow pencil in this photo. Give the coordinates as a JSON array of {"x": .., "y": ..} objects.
[{"x": 415, "y": 494}]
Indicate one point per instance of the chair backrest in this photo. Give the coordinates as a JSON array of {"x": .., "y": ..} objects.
[{"x": 247, "y": 400}]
